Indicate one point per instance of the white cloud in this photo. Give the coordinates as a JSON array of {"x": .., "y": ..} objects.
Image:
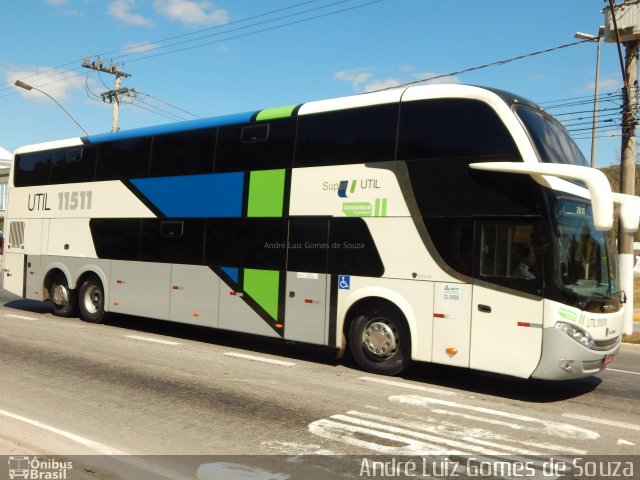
[
  {"x": 192, "y": 13},
  {"x": 382, "y": 84},
  {"x": 604, "y": 84},
  {"x": 57, "y": 83},
  {"x": 356, "y": 76},
  {"x": 431, "y": 78},
  {"x": 139, "y": 47},
  {"x": 364, "y": 79},
  {"x": 123, "y": 11}
]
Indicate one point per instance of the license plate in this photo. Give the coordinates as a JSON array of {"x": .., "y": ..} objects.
[{"x": 608, "y": 359}]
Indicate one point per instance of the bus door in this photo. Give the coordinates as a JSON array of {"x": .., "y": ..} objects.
[
  {"x": 507, "y": 306},
  {"x": 307, "y": 296},
  {"x": 25, "y": 237}
]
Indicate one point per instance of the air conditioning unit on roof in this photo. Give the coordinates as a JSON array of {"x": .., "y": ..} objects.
[{"x": 628, "y": 19}]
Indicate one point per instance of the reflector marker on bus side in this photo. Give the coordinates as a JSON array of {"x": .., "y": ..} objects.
[
  {"x": 442, "y": 315},
  {"x": 528, "y": 324}
]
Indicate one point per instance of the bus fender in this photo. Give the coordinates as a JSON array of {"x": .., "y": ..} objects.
[{"x": 99, "y": 272}]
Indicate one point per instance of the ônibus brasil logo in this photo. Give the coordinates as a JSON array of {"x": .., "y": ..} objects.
[{"x": 34, "y": 468}]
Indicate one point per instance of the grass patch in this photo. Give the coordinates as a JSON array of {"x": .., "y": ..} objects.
[{"x": 633, "y": 338}]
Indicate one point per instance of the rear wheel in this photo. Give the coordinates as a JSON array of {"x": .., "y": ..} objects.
[
  {"x": 63, "y": 299},
  {"x": 379, "y": 339},
  {"x": 91, "y": 300}
]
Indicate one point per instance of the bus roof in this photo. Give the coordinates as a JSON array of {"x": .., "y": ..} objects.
[{"x": 365, "y": 99}]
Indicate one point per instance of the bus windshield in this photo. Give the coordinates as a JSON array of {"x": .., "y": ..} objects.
[
  {"x": 588, "y": 266},
  {"x": 550, "y": 138}
]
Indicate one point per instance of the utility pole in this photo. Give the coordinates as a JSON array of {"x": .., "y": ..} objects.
[
  {"x": 628, "y": 171},
  {"x": 621, "y": 28},
  {"x": 112, "y": 96}
]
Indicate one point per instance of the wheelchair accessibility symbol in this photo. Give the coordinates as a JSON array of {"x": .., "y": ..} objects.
[{"x": 344, "y": 282}]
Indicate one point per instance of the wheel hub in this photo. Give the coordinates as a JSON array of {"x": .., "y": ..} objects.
[
  {"x": 60, "y": 295},
  {"x": 381, "y": 339},
  {"x": 93, "y": 299}
]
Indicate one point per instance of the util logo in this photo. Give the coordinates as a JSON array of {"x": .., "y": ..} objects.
[{"x": 366, "y": 183}]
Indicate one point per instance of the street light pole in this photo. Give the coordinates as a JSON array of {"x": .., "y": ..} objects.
[
  {"x": 26, "y": 86},
  {"x": 594, "y": 126}
]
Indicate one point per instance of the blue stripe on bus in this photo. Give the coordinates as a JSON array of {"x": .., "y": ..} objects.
[
  {"x": 170, "y": 128},
  {"x": 195, "y": 196},
  {"x": 232, "y": 272}
]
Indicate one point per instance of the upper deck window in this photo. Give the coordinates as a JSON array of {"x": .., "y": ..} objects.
[
  {"x": 550, "y": 138},
  {"x": 451, "y": 127},
  {"x": 256, "y": 146},
  {"x": 357, "y": 135}
]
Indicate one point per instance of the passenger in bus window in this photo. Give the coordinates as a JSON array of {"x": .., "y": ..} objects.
[{"x": 527, "y": 261}]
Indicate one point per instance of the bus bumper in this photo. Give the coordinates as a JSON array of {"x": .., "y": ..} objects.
[{"x": 564, "y": 359}]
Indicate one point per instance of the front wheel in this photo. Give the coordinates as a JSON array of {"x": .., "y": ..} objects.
[
  {"x": 379, "y": 340},
  {"x": 91, "y": 300}
]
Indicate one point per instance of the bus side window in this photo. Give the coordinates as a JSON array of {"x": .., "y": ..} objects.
[
  {"x": 356, "y": 135},
  {"x": 308, "y": 245},
  {"x": 173, "y": 241},
  {"x": 446, "y": 128},
  {"x": 116, "y": 238},
  {"x": 352, "y": 250},
  {"x": 508, "y": 256},
  {"x": 32, "y": 169},
  {"x": 256, "y": 146},
  {"x": 453, "y": 239},
  {"x": 246, "y": 242},
  {"x": 183, "y": 153},
  {"x": 123, "y": 159},
  {"x": 72, "y": 166}
]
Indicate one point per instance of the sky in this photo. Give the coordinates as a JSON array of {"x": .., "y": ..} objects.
[{"x": 203, "y": 58}]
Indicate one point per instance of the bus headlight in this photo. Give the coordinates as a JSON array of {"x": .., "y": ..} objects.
[{"x": 579, "y": 335}]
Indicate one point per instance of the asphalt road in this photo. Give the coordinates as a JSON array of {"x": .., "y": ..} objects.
[{"x": 142, "y": 399}]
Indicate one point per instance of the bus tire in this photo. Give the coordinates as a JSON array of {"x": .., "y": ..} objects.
[
  {"x": 379, "y": 339},
  {"x": 91, "y": 300},
  {"x": 63, "y": 299}
]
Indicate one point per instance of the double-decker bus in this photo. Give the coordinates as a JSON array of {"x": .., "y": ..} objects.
[{"x": 396, "y": 223}]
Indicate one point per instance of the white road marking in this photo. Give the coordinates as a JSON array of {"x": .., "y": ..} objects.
[
  {"x": 20, "y": 317},
  {"x": 152, "y": 340},
  {"x": 409, "y": 386},
  {"x": 422, "y": 436},
  {"x": 260, "y": 359},
  {"x": 622, "y": 441},
  {"x": 621, "y": 371},
  {"x": 557, "y": 429},
  {"x": 101, "y": 448},
  {"x": 90, "y": 444},
  {"x": 353, "y": 435},
  {"x": 611, "y": 423},
  {"x": 483, "y": 434}
]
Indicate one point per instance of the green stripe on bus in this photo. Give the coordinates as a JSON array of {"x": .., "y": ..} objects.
[
  {"x": 266, "y": 193},
  {"x": 278, "y": 112},
  {"x": 263, "y": 286}
]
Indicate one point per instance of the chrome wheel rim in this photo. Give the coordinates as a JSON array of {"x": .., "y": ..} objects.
[{"x": 381, "y": 339}]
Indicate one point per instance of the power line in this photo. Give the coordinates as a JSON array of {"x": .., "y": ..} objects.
[
  {"x": 248, "y": 34},
  {"x": 144, "y": 55},
  {"x": 486, "y": 65},
  {"x": 60, "y": 76}
]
